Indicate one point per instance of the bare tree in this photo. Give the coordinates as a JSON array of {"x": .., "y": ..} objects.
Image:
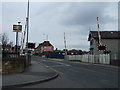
[
  {"x": 5, "y": 39},
  {"x": 11, "y": 43}
]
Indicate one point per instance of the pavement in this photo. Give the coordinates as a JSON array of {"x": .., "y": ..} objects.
[{"x": 36, "y": 73}]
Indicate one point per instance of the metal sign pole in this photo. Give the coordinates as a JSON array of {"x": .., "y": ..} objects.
[{"x": 16, "y": 41}]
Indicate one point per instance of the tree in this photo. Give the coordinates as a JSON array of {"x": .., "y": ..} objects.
[
  {"x": 11, "y": 43},
  {"x": 5, "y": 39}
]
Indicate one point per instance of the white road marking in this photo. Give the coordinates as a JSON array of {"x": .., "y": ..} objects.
[
  {"x": 57, "y": 62},
  {"x": 64, "y": 64}
]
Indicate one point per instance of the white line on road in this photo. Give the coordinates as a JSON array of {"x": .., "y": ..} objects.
[
  {"x": 63, "y": 64},
  {"x": 57, "y": 62}
]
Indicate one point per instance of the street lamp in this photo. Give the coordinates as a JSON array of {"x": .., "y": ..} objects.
[{"x": 46, "y": 37}]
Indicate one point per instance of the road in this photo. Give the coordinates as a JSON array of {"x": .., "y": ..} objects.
[{"x": 77, "y": 75}]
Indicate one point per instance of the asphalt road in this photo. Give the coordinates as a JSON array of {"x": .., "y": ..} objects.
[{"x": 78, "y": 75}]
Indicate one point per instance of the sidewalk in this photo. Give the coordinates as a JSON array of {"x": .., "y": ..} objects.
[{"x": 35, "y": 74}]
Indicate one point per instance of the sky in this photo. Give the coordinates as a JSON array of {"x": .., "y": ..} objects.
[{"x": 52, "y": 19}]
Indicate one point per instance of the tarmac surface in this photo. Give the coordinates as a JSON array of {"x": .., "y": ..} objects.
[
  {"x": 40, "y": 72},
  {"x": 36, "y": 73}
]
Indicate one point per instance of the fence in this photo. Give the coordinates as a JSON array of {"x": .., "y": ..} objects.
[
  {"x": 98, "y": 59},
  {"x": 10, "y": 55}
]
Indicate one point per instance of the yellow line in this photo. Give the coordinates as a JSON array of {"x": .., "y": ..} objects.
[{"x": 50, "y": 68}]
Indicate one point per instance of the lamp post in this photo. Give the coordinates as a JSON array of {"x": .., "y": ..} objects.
[{"x": 46, "y": 37}]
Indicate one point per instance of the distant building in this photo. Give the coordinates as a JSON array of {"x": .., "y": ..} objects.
[
  {"x": 44, "y": 47},
  {"x": 109, "y": 38}
]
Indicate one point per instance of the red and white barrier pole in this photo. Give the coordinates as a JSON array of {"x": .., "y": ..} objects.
[{"x": 99, "y": 36}]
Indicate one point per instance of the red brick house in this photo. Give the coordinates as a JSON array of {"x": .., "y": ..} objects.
[{"x": 44, "y": 47}]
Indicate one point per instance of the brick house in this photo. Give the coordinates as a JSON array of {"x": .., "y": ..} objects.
[
  {"x": 109, "y": 38},
  {"x": 43, "y": 47}
]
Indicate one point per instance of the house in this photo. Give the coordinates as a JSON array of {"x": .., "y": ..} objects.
[
  {"x": 44, "y": 47},
  {"x": 109, "y": 38}
]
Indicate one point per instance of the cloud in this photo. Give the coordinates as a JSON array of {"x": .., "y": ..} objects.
[
  {"x": 55, "y": 18},
  {"x": 86, "y": 13}
]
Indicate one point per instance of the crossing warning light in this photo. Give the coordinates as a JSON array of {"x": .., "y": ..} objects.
[
  {"x": 31, "y": 45},
  {"x": 101, "y": 47}
]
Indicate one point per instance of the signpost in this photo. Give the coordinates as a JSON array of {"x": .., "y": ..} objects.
[{"x": 17, "y": 28}]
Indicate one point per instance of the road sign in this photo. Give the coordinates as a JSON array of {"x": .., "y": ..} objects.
[{"x": 17, "y": 28}]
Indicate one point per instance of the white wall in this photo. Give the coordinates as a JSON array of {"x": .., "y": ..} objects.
[{"x": 99, "y": 59}]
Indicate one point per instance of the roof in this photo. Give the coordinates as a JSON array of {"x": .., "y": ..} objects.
[
  {"x": 46, "y": 43},
  {"x": 104, "y": 35}
]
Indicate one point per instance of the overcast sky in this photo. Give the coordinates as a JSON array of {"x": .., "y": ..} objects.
[{"x": 76, "y": 19}]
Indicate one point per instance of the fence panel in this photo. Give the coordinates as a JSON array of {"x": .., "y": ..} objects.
[
  {"x": 91, "y": 58},
  {"x": 104, "y": 59},
  {"x": 107, "y": 59},
  {"x": 79, "y": 57},
  {"x": 96, "y": 59},
  {"x": 99, "y": 59}
]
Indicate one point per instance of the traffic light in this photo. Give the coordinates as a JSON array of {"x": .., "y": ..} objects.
[
  {"x": 31, "y": 45},
  {"x": 101, "y": 47}
]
